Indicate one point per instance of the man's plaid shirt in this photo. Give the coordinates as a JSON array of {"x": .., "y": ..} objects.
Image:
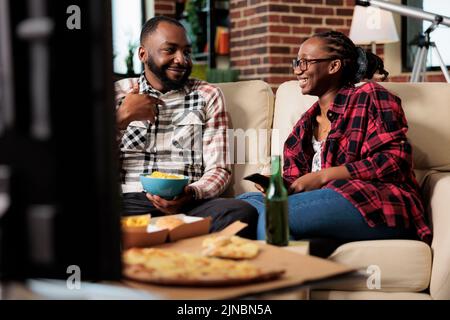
[
  {"x": 188, "y": 137},
  {"x": 368, "y": 136}
]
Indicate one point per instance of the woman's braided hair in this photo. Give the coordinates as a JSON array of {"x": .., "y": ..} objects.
[{"x": 357, "y": 63}]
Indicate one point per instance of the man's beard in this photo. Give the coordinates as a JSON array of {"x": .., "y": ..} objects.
[{"x": 160, "y": 73}]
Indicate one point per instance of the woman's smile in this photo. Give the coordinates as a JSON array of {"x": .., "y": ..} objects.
[{"x": 303, "y": 81}]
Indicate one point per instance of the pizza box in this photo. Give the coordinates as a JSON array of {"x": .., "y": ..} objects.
[
  {"x": 152, "y": 235},
  {"x": 141, "y": 238},
  {"x": 192, "y": 227},
  {"x": 301, "y": 272}
]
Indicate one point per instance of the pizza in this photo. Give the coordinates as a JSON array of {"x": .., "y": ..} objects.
[
  {"x": 232, "y": 247},
  {"x": 167, "y": 267}
]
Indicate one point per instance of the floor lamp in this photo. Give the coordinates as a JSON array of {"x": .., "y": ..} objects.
[
  {"x": 420, "y": 63},
  {"x": 372, "y": 26}
]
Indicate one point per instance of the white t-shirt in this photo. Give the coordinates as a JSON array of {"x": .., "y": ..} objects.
[{"x": 317, "y": 160}]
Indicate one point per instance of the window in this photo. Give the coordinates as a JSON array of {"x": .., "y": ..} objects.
[
  {"x": 128, "y": 16},
  {"x": 413, "y": 27}
]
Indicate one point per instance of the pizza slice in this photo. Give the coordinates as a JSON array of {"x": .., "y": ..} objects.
[{"x": 232, "y": 247}]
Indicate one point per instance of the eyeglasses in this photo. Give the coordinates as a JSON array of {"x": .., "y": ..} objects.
[{"x": 304, "y": 63}]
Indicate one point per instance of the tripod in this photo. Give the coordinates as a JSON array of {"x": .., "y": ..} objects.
[{"x": 420, "y": 62}]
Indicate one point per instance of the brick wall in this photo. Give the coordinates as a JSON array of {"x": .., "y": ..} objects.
[
  {"x": 266, "y": 34},
  {"x": 430, "y": 77},
  {"x": 165, "y": 8}
]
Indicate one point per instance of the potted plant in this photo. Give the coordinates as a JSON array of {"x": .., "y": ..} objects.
[
  {"x": 196, "y": 31},
  {"x": 132, "y": 46}
]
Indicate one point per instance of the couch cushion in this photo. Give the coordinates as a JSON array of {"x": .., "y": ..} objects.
[
  {"x": 436, "y": 190},
  {"x": 425, "y": 105},
  {"x": 250, "y": 108},
  {"x": 428, "y": 113},
  {"x": 367, "y": 295},
  {"x": 404, "y": 265}
]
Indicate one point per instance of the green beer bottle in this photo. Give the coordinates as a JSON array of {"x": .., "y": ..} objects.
[{"x": 277, "y": 224}]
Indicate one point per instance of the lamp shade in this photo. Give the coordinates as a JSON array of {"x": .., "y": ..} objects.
[{"x": 372, "y": 25}]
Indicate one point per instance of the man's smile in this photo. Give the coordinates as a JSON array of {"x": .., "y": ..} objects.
[{"x": 177, "y": 70}]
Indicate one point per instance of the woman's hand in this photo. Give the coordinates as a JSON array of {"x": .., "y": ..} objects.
[
  {"x": 315, "y": 180},
  {"x": 260, "y": 189},
  {"x": 307, "y": 182}
]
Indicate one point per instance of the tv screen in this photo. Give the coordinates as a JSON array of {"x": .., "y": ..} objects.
[{"x": 58, "y": 159}]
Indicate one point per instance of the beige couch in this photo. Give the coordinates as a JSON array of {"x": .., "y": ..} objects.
[{"x": 408, "y": 269}]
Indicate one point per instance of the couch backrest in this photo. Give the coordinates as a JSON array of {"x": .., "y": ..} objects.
[
  {"x": 427, "y": 109},
  {"x": 290, "y": 104},
  {"x": 250, "y": 108}
]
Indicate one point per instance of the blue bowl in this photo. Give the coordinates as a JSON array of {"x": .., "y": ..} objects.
[{"x": 165, "y": 188}]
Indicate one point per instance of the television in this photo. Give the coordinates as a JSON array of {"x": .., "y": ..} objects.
[{"x": 59, "y": 183}]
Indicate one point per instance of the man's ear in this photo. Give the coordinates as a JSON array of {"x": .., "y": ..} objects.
[
  {"x": 142, "y": 53},
  {"x": 335, "y": 66}
]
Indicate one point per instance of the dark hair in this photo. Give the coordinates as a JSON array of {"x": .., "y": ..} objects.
[
  {"x": 357, "y": 63},
  {"x": 151, "y": 25}
]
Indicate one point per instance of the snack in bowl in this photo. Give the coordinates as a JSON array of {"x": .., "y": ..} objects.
[
  {"x": 168, "y": 222},
  {"x": 232, "y": 247},
  {"x": 162, "y": 266},
  {"x": 157, "y": 174},
  {"x": 162, "y": 184},
  {"x": 136, "y": 221}
]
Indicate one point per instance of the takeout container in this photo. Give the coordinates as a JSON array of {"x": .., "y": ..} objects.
[{"x": 152, "y": 235}]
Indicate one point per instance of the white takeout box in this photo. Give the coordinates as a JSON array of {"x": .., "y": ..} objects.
[{"x": 152, "y": 235}]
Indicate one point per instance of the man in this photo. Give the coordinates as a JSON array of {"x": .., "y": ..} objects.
[{"x": 174, "y": 124}]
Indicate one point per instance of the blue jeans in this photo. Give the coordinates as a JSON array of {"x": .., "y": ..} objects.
[{"x": 324, "y": 213}]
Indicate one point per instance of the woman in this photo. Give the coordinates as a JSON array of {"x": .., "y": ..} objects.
[{"x": 347, "y": 162}]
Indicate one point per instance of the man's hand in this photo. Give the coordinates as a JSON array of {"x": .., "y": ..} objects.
[
  {"x": 137, "y": 107},
  {"x": 172, "y": 206},
  {"x": 307, "y": 182}
]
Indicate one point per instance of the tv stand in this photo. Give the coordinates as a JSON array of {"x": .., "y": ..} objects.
[{"x": 49, "y": 289}]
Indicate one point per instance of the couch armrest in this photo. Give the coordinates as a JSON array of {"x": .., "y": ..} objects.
[{"x": 436, "y": 191}]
